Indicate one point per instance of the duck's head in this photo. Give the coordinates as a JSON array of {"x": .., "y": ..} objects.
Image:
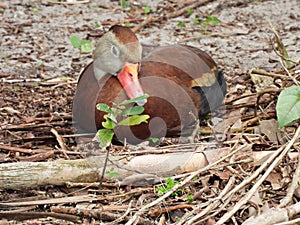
[{"x": 119, "y": 53}]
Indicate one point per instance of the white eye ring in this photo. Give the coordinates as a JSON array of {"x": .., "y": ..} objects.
[{"x": 115, "y": 50}]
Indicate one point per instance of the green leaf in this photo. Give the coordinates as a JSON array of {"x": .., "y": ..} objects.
[
  {"x": 86, "y": 46},
  {"x": 34, "y": 10},
  {"x": 112, "y": 174},
  {"x": 105, "y": 137},
  {"x": 196, "y": 21},
  {"x": 190, "y": 198},
  {"x": 181, "y": 24},
  {"x": 123, "y": 4},
  {"x": 213, "y": 20},
  {"x": 288, "y": 106},
  {"x": 146, "y": 9},
  {"x": 134, "y": 100},
  {"x": 97, "y": 24},
  {"x": 75, "y": 41},
  {"x": 108, "y": 123},
  {"x": 134, "y": 110},
  {"x": 104, "y": 108},
  {"x": 134, "y": 120},
  {"x": 189, "y": 11},
  {"x": 17, "y": 88},
  {"x": 154, "y": 139},
  {"x": 127, "y": 24}
]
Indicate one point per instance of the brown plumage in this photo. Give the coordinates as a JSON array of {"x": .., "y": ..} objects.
[{"x": 183, "y": 82}]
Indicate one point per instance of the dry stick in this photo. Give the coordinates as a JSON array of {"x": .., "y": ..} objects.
[
  {"x": 251, "y": 192},
  {"x": 177, "y": 13},
  {"x": 291, "y": 222},
  {"x": 16, "y": 149},
  {"x": 287, "y": 71},
  {"x": 33, "y": 215},
  {"x": 212, "y": 203},
  {"x": 126, "y": 20},
  {"x": 253, "y": 94},
  {"x": 282, "y": 48},
  {"x": 296, "y": 177},
  {"x": 188, "y": 179},
  {"x": 268, "y": 74},
  {"x": 252, "y": 177},
  {"x": 61, "y": 142},
  {"x": 72, "y": 199},
  {"x": 121, "y": 218}
]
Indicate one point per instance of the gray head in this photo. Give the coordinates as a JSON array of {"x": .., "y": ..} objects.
[{"x": 114, "y": 49}]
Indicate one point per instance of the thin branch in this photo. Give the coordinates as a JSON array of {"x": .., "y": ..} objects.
[
  {"x": 293, "y": 186},
  {"x": 275, "y": 160},
  {"x": 176, "y": 187},
  {"x": 177, "y": 13}
]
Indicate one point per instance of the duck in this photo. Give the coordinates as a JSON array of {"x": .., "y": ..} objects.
[{"x": 183, "y": 83}]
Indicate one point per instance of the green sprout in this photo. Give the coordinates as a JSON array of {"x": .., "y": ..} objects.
[
  {"x": 190, "y": 198},
  {"x": 189, "y": 11},
  {"x": 124, "y": 4},
  {"x": 170, "y": 183},
  {"x": 130, "y": 116},
  {"x": 181, "y": 24},
  {"x": 17, "y": 88},
  {"x": 147, "y": 9},
  {"x": 34, "y": 10},
  {"x": 208, "y": 21},
  {"x": 82, "y": 44},
  {"x": 112, "y": 173}
]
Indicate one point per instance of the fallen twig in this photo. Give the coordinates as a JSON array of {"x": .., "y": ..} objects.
[
  {"x": 127, "y": 20},
  {"x": 35, "y": 215},
  {"x": 176, "y": 13},
  {"x": 212, "y": 204},
  {"x": 187, "y": 180},
  {"x": 72, "y": 199},
  {"x": 121, "y": 218},
  {"x": 37, "y": 157},
  {"x": 60, "y": 141},
  {"x": 293, "y": 186},
  {"x": 275, "y": 159},
  {"x": 159, "y": 211}
]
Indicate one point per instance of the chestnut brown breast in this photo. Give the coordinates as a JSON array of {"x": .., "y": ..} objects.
[{"x": 183, "y": 82}]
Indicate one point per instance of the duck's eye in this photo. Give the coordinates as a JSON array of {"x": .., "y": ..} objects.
[{"x": 115, "y": 50}]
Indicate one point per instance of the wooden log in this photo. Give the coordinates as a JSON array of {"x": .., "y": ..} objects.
[{"x": 140, "y": 170}]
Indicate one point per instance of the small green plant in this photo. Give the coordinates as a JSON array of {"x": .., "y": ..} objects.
[
  {"x": 17, "y": 88},
  {"x": 130, "y": 116},
  {"x": 212, "y": 20},
  {"x": 124, "y": 4},
  {"x": 147, "y": 9},
  {"x": 127, "y": 24},
  {"x": 190, "y": 198},
  {"x": 288, "y": 106},
  {"x": 82, "y": 44},
  {"x": 65, "y": 78},
  {"x": 181, "y": 24},
  {"x": 209, "y": 20},
  {"x": 112, "y": 173},
  {"x": 154, "y": 140},
  {"x": 196, "y": 21},
  {"x": 170, "y": 183},
  {"x": 34, "y": 10},
  {"x": 189, "y": 11},
  {"x": 97, "y": 24}
]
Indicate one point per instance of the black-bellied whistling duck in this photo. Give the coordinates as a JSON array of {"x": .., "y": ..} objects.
[{"x": 184, "y": 83}]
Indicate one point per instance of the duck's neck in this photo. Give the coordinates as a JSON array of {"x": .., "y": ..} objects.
[{"x": 98, "y": 73}]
